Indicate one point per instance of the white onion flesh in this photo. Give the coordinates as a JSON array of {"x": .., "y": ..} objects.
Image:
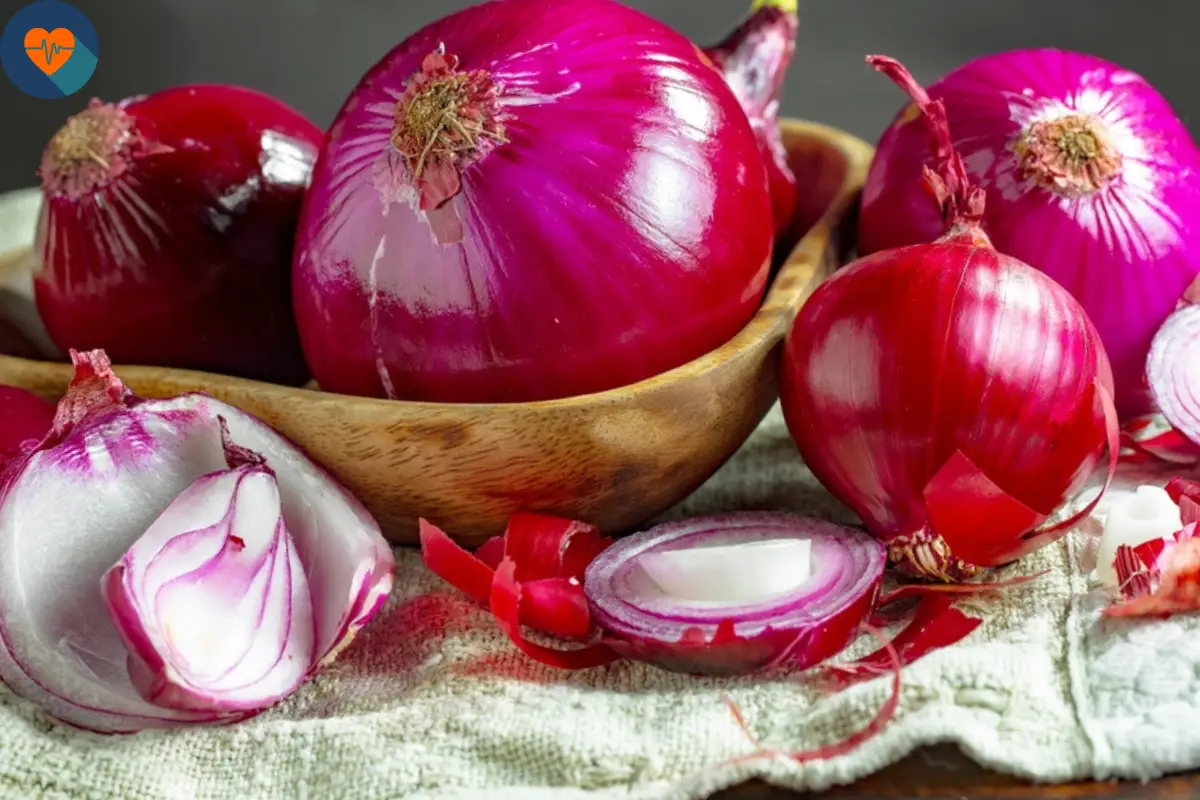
[
  {"x": 744, "y": 572},
  {"x": 1147, "y": 514}
]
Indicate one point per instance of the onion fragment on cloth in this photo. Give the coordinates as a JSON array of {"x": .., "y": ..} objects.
[
  {"x": 957, "y": 422},
  {"x": 139, "y": 483}
]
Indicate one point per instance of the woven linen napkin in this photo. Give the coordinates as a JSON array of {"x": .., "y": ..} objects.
[{"x": 431, "y": 702}]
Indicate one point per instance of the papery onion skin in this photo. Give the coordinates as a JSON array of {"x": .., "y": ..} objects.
[
  {"x": 1126, "y": 250},
  {"x": 166, "y": 231},
  {"x": 122, "y": 460},
  {"x": 953, "y": 397},
  {"x": 798, "y": 630},
  {"x": 754, "y": 60},
  {"x": 610, "y": 221}
]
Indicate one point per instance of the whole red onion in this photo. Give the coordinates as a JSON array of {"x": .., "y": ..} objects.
[
  {"x": 1090, "y": 176},
  {"x": 527, "y": 200},
  {"x": 952, "y": 396},
  {"x": 167, "y": 228}
]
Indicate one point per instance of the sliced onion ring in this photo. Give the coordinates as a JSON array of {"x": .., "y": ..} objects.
[
  {"x": 798, "y": 628},
  {"x": 1173, "y": 371}
]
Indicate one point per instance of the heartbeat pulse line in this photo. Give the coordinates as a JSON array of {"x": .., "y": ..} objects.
[{"x": 49, "y": 50}]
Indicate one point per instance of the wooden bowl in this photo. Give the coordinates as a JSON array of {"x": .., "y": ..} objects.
[{"x": 617, "y": 458}]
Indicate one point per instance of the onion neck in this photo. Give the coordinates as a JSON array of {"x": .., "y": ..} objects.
[
  {"x": 92, "y": 148},
  {"x": 1072, "y": 155},
  {"x": 926, "y": 555},
  {"x": 446, "y": 121}
]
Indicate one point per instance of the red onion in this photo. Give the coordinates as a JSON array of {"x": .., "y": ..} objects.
[
  {"x": 1173, "y": 371},
  {"x": 24, "y": 421},
  {"x": 529, "y": 200},
  {"x": 1090, "y": 176},
  {"x": 806, "y": 619},
  {"x": 754, "y": 60},
  {"x": 129, "y": 482},
  {"x": 167, "y": 229},
  {"x": 953, "y": 397}
]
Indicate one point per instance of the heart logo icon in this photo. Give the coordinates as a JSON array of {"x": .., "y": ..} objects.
[{"x": 49, "y": 50}]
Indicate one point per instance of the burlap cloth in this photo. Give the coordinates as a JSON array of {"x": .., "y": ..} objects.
[{"x": 432, "y": 703}]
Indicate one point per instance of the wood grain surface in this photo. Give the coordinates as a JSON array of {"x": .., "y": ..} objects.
[
  {"x": 944, "y": 773},
  {"x": 615, "y": 459}
]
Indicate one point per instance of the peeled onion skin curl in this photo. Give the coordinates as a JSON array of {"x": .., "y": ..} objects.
[
  {"x": 58, "y": 646},
  {"x": 533, "y": 258},
  {"x": 167, "y": 228},
  {"x": 929, "y": 418}
]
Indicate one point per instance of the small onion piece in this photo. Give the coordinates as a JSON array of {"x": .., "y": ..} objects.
[
  {"x": 1173, "y": 371},
  {"x": 803, "y": 626},
  {"x": 88, "y": 493},
  {"x": 212, "y": 601}
]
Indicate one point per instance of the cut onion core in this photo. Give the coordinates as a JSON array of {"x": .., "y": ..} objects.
[{"x": 747, "y": 572}]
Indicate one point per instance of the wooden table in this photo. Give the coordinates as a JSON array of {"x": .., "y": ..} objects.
[{"x": 944, "y": 773}]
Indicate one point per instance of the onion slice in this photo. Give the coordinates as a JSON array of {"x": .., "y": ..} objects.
[
  {"x": 803, "y": 626},
  {"x": 89, "y": 492},
  {"x": 212, "y": 601},
  {"x": 1173, "y": 371}
]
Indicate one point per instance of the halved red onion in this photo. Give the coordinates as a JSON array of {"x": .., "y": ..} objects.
[
  {"x": 722, "y": 623},
  {"x": 212, "y": 601},
  {"x": 1173, "y": 371},
  {"x": 87, "y": 494}
]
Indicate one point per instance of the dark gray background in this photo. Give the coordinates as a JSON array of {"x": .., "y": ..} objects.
[{"x": 312, "y": 52}]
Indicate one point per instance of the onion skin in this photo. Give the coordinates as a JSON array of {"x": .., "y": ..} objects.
[
  {"x": 173, "y": 246},
  {"x": 612, "y": 220},
  {"x": 951, "y": 396},
  {"x": 1127, "y": 250}
]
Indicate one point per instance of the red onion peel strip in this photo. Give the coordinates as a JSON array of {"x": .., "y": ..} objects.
[{"x": 869, "y": 731}]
